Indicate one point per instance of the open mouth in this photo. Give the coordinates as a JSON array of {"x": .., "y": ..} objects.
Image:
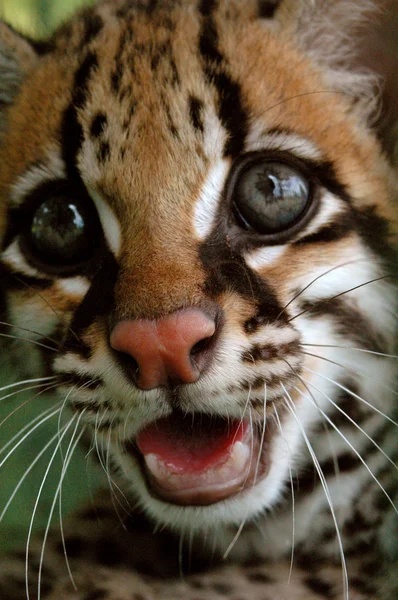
[{"x": 201, "y": 460}]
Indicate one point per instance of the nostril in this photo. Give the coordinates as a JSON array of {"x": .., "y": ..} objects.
[
  {"x": 201, "y": 346},
  {"x": 131, "y": 365}
]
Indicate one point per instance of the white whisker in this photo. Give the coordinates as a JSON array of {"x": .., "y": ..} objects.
[
  {"x": 54, "y": 412},
  {"x": 37, "y": 380},
  {"x": 394, "y": 356},
  {"x": 350, "y": 262},
  {"x": 50, "y": 462},
  {"x": 27, "y": 426},
  {"x": 34, "y": 342},
  {"x": 293, "y": 498},
  {"x": 365, "y": 464},
  {"x": 46, "y": 337},
  {"x": 26, "y": 473},
  {"x": 351, "y": 421},
  {"x": 68, "y": 456},
  {"x": 290, "y": 406},
  {"x": 360, "y": 373},
  {"x": 354, "y": 395}
]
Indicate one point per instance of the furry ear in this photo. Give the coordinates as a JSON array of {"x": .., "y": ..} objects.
[
  {"x": 17, "y": 57},
  {"x": 355, "y": 42}
]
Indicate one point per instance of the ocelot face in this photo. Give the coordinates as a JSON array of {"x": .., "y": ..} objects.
[{"x": 199, "y": 248}]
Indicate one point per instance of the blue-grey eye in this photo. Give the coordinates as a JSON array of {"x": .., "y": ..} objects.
[
  {"x": 61, "y": 231},
  {"x": 270, "y": 197}
]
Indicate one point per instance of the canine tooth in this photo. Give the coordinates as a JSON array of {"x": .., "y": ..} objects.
[
  {"x": 154, "y": 465},
  {"x": 240, "y": 455}
]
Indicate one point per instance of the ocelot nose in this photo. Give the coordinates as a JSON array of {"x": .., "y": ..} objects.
[{"x": 167, "y": 351}]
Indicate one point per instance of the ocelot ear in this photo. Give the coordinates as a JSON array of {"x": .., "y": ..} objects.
[
  {"x": 17, "y": 57},
  {"x": 355, "y": 42}
]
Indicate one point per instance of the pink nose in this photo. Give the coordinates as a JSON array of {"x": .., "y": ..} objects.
[{"x": 164, "y": 350}]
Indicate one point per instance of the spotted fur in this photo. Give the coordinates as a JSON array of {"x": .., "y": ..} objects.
[{"x": 143, "y": 109}]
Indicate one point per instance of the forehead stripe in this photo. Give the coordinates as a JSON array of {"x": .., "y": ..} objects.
[
  {"x": 231, "y": 110},
  {"x": 72, "y": 131}
]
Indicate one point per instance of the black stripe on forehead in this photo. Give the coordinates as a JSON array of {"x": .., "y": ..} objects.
[
  {"x": 72, "y": 131},
  {"x": 232, "y": 113},
  {"x": 98, "y": 302}
]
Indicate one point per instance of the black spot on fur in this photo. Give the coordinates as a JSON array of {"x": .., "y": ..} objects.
[
  {"x": 259, "y": 577},
  {"x": 320, "y": 587},
  {"x": 97, "y": 595},
  {"x": 222, "y": 588},
  {"x": 268, "y": 352},
  {"x": 74, "y": 546},
  {"x": 82, "y": 381},
  {"x": 104, "y": 152},
  {"x": 98, "y": 124},
  {"x": 117, "y": 73},
  {"x": 195, "y": 112},
  {"x": 266, "y": 9},
  {"x": 206, "y": 7}
]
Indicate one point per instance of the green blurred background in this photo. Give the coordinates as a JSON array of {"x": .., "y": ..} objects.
[{"x": 35, "y": 18}]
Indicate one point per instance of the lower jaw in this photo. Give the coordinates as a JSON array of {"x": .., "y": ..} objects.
[{"x": 206, "y": 495}]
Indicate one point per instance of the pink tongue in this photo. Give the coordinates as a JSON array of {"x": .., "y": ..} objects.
[{"x": 189, "y": 446}]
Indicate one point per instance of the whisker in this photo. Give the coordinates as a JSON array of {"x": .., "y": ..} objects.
[
  {"x": 34, "y": 342},
  {"x": 365, "y": 464},
  {"x": 243, "y": 522},
  {"x": 394, "y": 356},
  {"x": 263, "y": 428},
  {"x": 15, "y": 410},
  {"x": 350, "y": 262},
  {"x": 326, "y": 300},
  {"x": 360, "y": 373},
  {"x": 52, "y": 414},
  {"x": 59, "y": 317},
  {"x": 290, "y": 406},
  {"x": 47, "y": 337},
  {"x": 27, "y": 389},
  {"x": 68, "y": 456},
  {"x": 25, "y": 427},
  {"x": 111, "y": 482},
  {"x": 351, "y": 421},
  {"x": 354, "y": 395},
  {"x": 26, "y": 473},
  {"x": 293, "y": 498},
  {"x": 50, "y": 462},
  {"x": 12, "y": 385}
]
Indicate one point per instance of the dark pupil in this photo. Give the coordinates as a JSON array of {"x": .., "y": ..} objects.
[
  {"x": 271, "y": 196},
  {"x": 59, "y": 231}
]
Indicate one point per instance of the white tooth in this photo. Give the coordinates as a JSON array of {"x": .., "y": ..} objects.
[
  {"x": 154, "y": 465},
  {"x": 240, "y": 456}
]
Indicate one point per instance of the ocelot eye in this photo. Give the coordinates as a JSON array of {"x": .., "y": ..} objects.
[
  {"x": 63, "y": 230},
  {"x": 269, "y": 197}
]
